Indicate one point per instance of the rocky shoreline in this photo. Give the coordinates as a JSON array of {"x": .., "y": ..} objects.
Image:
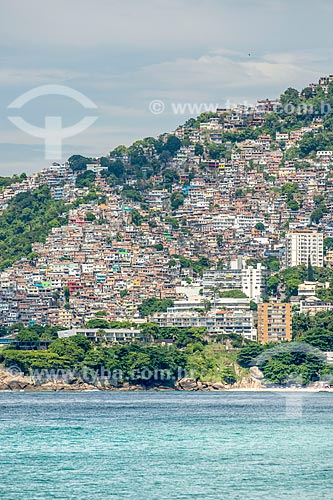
[{"x": 18, "y": 382}]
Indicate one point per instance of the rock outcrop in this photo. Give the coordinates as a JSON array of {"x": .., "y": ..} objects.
[
  {"x": 17, "y": 381},
  {"x": 190, "y": 384}
]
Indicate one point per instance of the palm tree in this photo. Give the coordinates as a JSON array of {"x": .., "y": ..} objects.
[{"x": 207, "y": 305}]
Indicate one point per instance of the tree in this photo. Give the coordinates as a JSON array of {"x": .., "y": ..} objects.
[
  {"x": 198, "y": 149},
  {"x": 136, "y": 217},
  {"x": 316, "y": 215},
  {"x": 277, "y": 371},
  {"x": 170, "y": 176},
  {"x": 293, "y": 205},
  {"x": 67, "y": 293},
  {"x": 307, "y": 93},
  {"x": 253, "y": 306},
  {"x": 27, "y": 336},
  {"x": 95, "y": 359},
  {"x": 289, "y": 96},
  {"x": 260, "y": 226},
  {"x": 152, "y": 305},
  {"x": 173, "y": 144},
  {"x": 273, "y": 284},
  {"x": 306, "y": 146},
  {"x": 90, "y": 217},
  {"x": 289, "y": 188},
  {"x": 119, "y": 151},
  {"x": 98, "y": 323},
  {"x": 216, "y": 151},
  {"x": 82, "y": 342},
  {"x": 116, "y": 168},
  {"x": 328, "y": 244},
  {"x": 177, "y": 199},
  {"x": 310, "y": 276},
  {"x": 247, "y": 355},
  {"x": 173, "y": 221},
  {"x": 165, "y": 157},
  {"x": 67, "y": 348},
  {"x": 86, "y": 179},
  {"x": 318, "y": 199},
  {"x": 78, "y": 162},
  {"x": 131, "y": 193}
]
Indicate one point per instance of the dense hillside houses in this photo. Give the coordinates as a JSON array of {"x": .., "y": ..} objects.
[{"x": 208, "y": 216}]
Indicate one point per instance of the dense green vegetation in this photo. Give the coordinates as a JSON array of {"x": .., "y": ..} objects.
[
  {"x": 79, "y": 163},
  {"x": 298, "y": 362},
  {"x": 198, "y": 266},
  {"x": 86, "y": 179},
  {"x": 314, "y": 330},
  {"x": 290, "y": 278},
  {"x": 286, "y": 363},
  {"x": 8, "y": 181},
  {"x": 151, "y": 306},
  {"x": 140, "y": 163},
  {"x": 212, "y": 363},
  {"x": 34, "y": 333},
  {"x": 133, "y": 362},
  {"x": 232, "y": 294},
  {"x": 189, "y": 355},
  {"x": 27, "y": 219}
]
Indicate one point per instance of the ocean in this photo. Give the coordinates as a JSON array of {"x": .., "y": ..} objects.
[{"x": 166, "y": 445}]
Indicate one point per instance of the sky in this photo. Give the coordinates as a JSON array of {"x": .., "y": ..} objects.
[{"x": 124, "y": 55}]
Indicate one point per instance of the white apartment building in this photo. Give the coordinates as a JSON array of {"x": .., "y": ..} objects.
[
  {"x": 254, "y": 281},
  {"x": 304, "y": 245},
  {"x": 217, "y": 321},
  {"x": 313, "y": 305},
  {"x": 106, "y": 335},
  {"x": 250, "y": 280}
]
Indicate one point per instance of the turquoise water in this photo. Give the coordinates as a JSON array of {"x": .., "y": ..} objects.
[{"x": 156, "y": 446}]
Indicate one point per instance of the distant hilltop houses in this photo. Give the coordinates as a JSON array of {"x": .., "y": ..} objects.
[{"x": 225, "y": 223}]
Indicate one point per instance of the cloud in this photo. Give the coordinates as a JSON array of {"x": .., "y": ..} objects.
[
  {"x": 160, "y": 25},
  {"x": 19, "y": 76},
  {"x": 122, "y": 55},
  {"x": 216, "y": 74}
]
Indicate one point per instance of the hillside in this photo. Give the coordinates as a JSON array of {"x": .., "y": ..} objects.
[
  {"x": 212, "y": 139},
  {"x": 163, "y": 230}
]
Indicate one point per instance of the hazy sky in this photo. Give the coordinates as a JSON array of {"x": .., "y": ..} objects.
[{"x": 123, "y": 54}]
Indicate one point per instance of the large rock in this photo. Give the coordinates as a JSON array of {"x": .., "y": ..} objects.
[
  {"x": 256, "y": 373},
  {"x": 187, "y": 384}
]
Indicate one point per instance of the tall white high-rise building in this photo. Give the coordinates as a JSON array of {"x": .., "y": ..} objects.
[
  {"x": 254, "y": 281},
  {"x": 303, "y": 246}
]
